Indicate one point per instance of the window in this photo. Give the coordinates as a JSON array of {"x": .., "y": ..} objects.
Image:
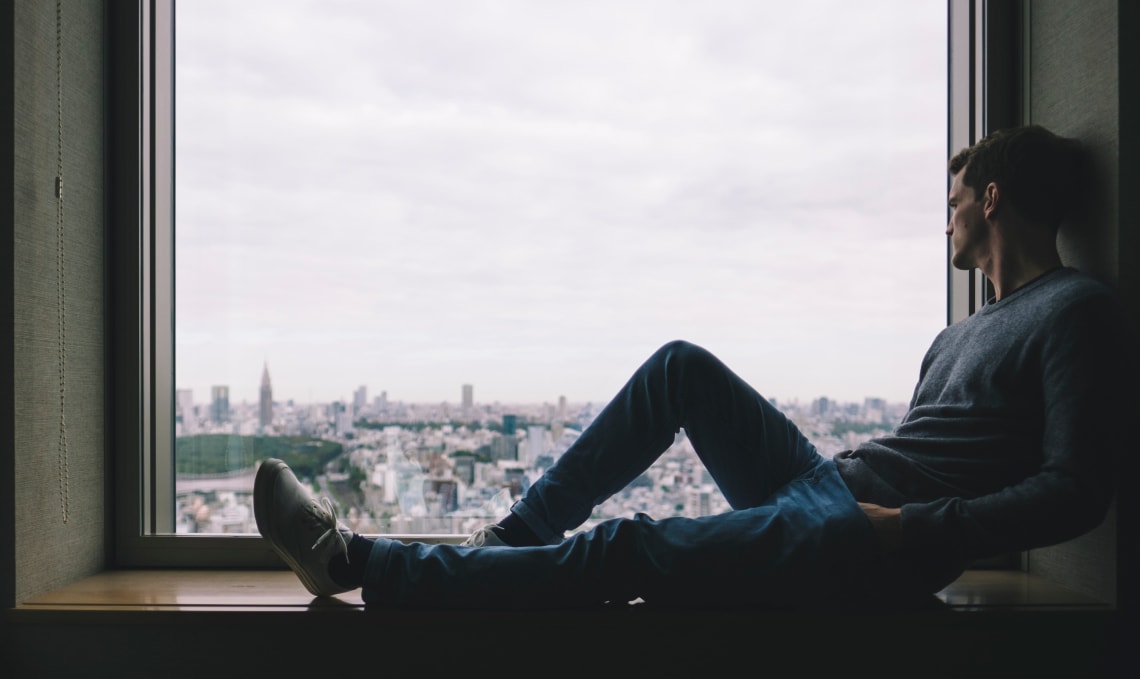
[{"x": 511, "y": 137}]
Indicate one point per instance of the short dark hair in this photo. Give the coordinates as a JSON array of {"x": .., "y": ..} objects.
[{"x": 1044, "y": 175}]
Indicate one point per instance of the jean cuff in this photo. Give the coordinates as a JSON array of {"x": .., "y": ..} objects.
[
  {"x": 374, "y": 570},
  {"x": 535, "y": 524}
]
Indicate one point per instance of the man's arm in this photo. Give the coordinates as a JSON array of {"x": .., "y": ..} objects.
[{"x": 1087, "y": 372}]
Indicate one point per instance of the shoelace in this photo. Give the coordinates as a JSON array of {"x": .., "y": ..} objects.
[
  {"x": 327, "y": 518},
  {"x": 479, "y": 537}
]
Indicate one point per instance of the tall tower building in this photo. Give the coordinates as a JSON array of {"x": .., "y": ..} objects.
[
  {"x": 265, "y": 409},
  {"x": 360, "y": 399},
  {"x": 220, "y": 404},
  {"x": 535, "y": 443},
  {"x": 468, "y": 398},
  {"x": 184, "y": 411}
]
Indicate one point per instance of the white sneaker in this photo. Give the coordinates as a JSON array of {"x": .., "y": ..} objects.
[
  {"x": 485, "y": 537},
  {"x": 302, "y": 530}
]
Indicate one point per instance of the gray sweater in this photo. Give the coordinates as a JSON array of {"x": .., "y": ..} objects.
[{"x": 1013, "y": 430}]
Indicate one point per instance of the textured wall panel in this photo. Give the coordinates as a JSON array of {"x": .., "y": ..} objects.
[
  {"x": 59, "y": 497},
  {"x": 1074, "y": 75},
  {"x": 1073, "y": 79}
]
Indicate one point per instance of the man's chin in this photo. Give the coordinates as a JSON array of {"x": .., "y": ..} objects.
[{"x": 961, "y": 263}]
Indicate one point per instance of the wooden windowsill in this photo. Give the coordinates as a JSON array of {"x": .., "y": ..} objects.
[
  {"x": 280, "y": 591},
  {"x": 191, "y": 623}
]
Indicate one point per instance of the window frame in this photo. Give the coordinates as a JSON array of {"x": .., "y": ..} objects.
[
  {"x": 984, "y": 93},
  {"x": 140, "y": 287},
  {"x": 141, "y": 300}
]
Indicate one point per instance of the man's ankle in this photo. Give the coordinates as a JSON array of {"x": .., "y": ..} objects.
[
  {"x": 348, "y": 570},
  {"x": 513, "y": 531}
]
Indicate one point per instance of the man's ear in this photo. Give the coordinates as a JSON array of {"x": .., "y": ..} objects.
[{"x": 991, "y": 198}]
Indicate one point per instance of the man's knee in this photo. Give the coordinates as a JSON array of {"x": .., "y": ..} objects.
[
  {"x": 682, "y": 351},
  {"x": 681, "y": 357}
]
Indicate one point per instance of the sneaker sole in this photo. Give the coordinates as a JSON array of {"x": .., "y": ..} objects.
[{"x": 264, "y": 489}]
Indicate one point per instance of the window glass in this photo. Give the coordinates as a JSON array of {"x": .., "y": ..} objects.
[{"x": 419, "y": 245}]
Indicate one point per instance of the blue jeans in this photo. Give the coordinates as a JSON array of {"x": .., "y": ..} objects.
[{"x": 795, "y": 535}]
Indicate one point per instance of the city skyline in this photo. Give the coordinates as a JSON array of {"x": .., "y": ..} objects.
[
  {"x": 399, "y": 468},
  {"x": 466, "y": 397},
  {"x": 253, "y": 393}
]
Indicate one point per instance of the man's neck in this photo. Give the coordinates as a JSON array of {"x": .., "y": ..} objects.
[
  {"x": 1012, "y": 267},
  {"x": 1012, "y": 276}
]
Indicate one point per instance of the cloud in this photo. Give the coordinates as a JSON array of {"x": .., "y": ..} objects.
[{"x": 531, "y": 196}]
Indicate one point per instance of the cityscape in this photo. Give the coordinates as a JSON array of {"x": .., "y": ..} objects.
[{"x": 442, "y": 469}]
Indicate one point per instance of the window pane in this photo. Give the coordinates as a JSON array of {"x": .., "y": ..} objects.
[{"x": 419, "y": 245}]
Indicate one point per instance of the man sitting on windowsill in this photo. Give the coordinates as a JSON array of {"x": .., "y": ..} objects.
[{"x": 1009, "y": 444}]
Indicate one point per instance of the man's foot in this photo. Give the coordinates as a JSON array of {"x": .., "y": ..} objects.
[
  {"x": 302, "y": 530},
  {"x": 485, "y": 537},
  {"x": 509, "y": 532}
]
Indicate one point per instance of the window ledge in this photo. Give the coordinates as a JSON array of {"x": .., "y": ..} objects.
[
  {"x": 192, "y": 623},
  {"x": 280, "y": 591}
]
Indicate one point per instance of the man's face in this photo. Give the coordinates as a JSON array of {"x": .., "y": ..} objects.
[{"x": 967, "y": 228}]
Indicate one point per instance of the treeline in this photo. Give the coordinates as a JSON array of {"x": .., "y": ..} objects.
[{"x": 222, "y": 453}]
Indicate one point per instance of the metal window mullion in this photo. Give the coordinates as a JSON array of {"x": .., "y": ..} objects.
[
  {"x": 963, "y": 120},
  {"x": 161, "y": 267}
]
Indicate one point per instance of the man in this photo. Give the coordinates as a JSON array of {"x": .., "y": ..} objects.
[{"x": 1009, "y": 444}]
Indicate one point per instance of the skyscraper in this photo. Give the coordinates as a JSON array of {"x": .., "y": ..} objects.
[
  {"x": 535, "y": 443},
  {"x": 220, "y": 404},
  {"x": 265, "y": 409},
  {"x": 184, "y": 411},
  {"x": 468, "y": 398},
  {"x": 360, "y": 399}
]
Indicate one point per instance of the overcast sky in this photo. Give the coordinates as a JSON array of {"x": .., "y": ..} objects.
[{"x": 532, "y": 196}]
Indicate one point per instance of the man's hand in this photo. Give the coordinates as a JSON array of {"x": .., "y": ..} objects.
[{"x": 887, "y": 522}]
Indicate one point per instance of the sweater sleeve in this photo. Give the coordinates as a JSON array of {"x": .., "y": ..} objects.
[{"x": 1086, "y": 371}]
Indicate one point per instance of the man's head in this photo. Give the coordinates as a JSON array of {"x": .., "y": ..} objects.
[{"x": 1038, "y": 174}]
